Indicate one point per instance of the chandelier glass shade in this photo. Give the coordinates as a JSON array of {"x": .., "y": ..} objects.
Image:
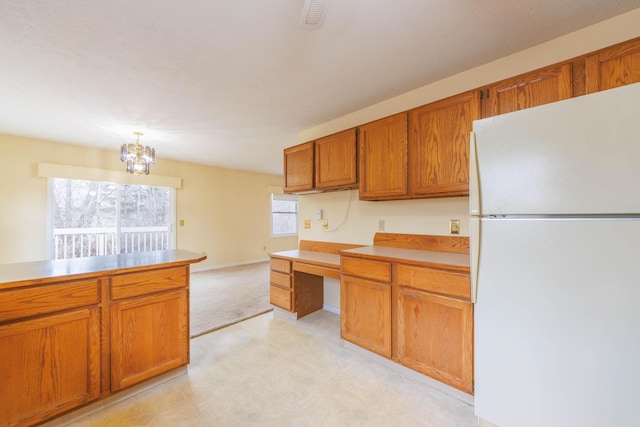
[{"x": 138, "y": 158}]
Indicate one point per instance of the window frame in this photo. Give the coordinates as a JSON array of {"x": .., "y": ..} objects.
[
  {"x": 283, "y": 197},
  {"x": 50, "y": 208}
]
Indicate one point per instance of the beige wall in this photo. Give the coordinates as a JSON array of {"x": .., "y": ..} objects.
[{"x": 226, "y": 212}]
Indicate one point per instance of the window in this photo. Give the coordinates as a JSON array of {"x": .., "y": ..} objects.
[
  {"x": 89, "y": 218},
  {"x": 284, "y": 215}
]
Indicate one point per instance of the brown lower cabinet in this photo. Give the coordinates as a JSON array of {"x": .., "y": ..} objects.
[
  {"x": 435, "y": 336},
  {"x": 149, "y": 336},
  {"x": 50, "y": 364},
  {"x": 419, "y": 316},
  {"x": 67, "y": 341},
  {"x": 365, "y": 314}
]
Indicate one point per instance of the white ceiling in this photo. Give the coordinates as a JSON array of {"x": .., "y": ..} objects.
[{"x": 231, "y": 83}]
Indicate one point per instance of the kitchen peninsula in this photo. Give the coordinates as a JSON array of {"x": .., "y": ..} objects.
[{"x": 74, "y": 331}]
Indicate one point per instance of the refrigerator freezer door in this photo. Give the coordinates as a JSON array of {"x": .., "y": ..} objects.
[
  {"x": 579, "y": 156},
  {"x": 557, "y": 338}
]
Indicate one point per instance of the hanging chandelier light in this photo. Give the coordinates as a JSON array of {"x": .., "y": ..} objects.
[{"x": 138, "y": 158}]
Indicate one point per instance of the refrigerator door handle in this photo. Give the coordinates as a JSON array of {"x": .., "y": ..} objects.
[
  {"x": 474, "y": 181},
  {"x": 474, "y": 238}
]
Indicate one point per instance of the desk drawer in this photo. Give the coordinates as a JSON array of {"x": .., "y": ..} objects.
[
  {"x": 281, "y": 265},
  {"x": 280, "y": 298},
  {"x": 434, "y": 280},
  {"x": 280, "y": 279},
  {"x": 369, "y": 269}
]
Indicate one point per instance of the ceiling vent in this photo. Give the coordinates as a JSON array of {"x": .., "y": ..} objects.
[{"x": 313, "y": 14}]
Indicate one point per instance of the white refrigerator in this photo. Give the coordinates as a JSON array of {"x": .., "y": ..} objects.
[{"x": 555, "y": 264}]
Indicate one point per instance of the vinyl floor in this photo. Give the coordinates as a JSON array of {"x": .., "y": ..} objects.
[{"x": 274, "y": 371}]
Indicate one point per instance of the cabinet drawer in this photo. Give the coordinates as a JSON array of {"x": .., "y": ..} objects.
[
  {"x": 31, "y": 301},
  {"x": 429, "y": 279},
  {"x": 281, "y": 279},
  {"x": 280, "y": 297},
  {"x": 281, "y": 265},
  {"x": 369, "y": 269},
  {"x": 148, "y": 282}
]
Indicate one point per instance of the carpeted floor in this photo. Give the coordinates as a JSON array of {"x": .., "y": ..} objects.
[{"x": 226, "y": 296}]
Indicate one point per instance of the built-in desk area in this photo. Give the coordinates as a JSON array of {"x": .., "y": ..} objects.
[
  {"x": 297, "y": 275},
  {"x": 406, "y": 298}
]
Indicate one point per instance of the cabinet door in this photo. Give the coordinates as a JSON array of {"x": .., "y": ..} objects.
[
  {"x": 435, "y": 337},
  {"x": 298, "y": 168},
  {"x": 383, "y": 158},
  {"x": 439, "y": 146},
  {"x": 528, "y": 90},
  {"x": 365, "y": 314},
  {"x": 149, "y": 336},
  {"x": 614, "y": 66},
  {"x": 48, "y": 365},
  {"x": 335, "y": 161}
]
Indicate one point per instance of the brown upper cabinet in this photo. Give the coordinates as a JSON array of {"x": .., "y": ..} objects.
[
  {"x": 549, "y": 84},
  {"x": 424, "y": 152},
  {"x": 336, "y": 161},
  {"x": 298, "y": 168},
  {"x": 329, "y": 163},
  {"x": 614, "y": 66},
  {"x": 439, "y": 146},
  {"x": 383, "y": 158}
]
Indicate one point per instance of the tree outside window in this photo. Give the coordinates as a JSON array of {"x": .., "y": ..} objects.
[{"x": 90, "y": 218}]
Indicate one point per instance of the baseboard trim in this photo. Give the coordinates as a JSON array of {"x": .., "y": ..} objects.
[
  {"x": 454, "y": 392},
  {"x": 331, "y": 309},
  {"x": 91, "y": 408},
  {"x": 283, "y": 313},
  {"x": 217, "y": 267}
]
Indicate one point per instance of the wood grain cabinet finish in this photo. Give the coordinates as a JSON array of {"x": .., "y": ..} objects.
[
  {"x": 280, "y": 289},
  {"x": 68, "y": 340},
  {"x": 435, "y": 323},
  {"x": 415, "y": 314},
  {"x": 37, "y": 300},
  {"x": 48, "y": 365},
  {"x": 612, "y": 67},
  {"x": 365, "y": 303},
  {"x": 435, "y": 336},
  {"x": 439, "y": 146},
  {"x": 148, "y": 282},
  {"x": 427, "y": 157},
  {"x": 298, "y": 168},
  {"x": 149, "y": 336},
  {"x": 365, "y": 313},
  {"x": 335, "y": 161},
  {"x": 542, "y": 86},
  {"x": 366, "y": 268},
  {"x": 383, "y": 158}
]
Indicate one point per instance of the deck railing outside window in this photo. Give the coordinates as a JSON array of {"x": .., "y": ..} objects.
[{"x": 83, "y": 242}]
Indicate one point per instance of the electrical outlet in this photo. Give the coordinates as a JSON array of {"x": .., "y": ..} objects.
[
  {"x": 307, "y": 224},
  {"x": 454, "y": 226},
  {"x": 381, "y": 225},
  {"x": 325, "y": 224}
]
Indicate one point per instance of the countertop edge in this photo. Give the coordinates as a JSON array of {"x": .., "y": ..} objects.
[{"x": 31, "y": 273}]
